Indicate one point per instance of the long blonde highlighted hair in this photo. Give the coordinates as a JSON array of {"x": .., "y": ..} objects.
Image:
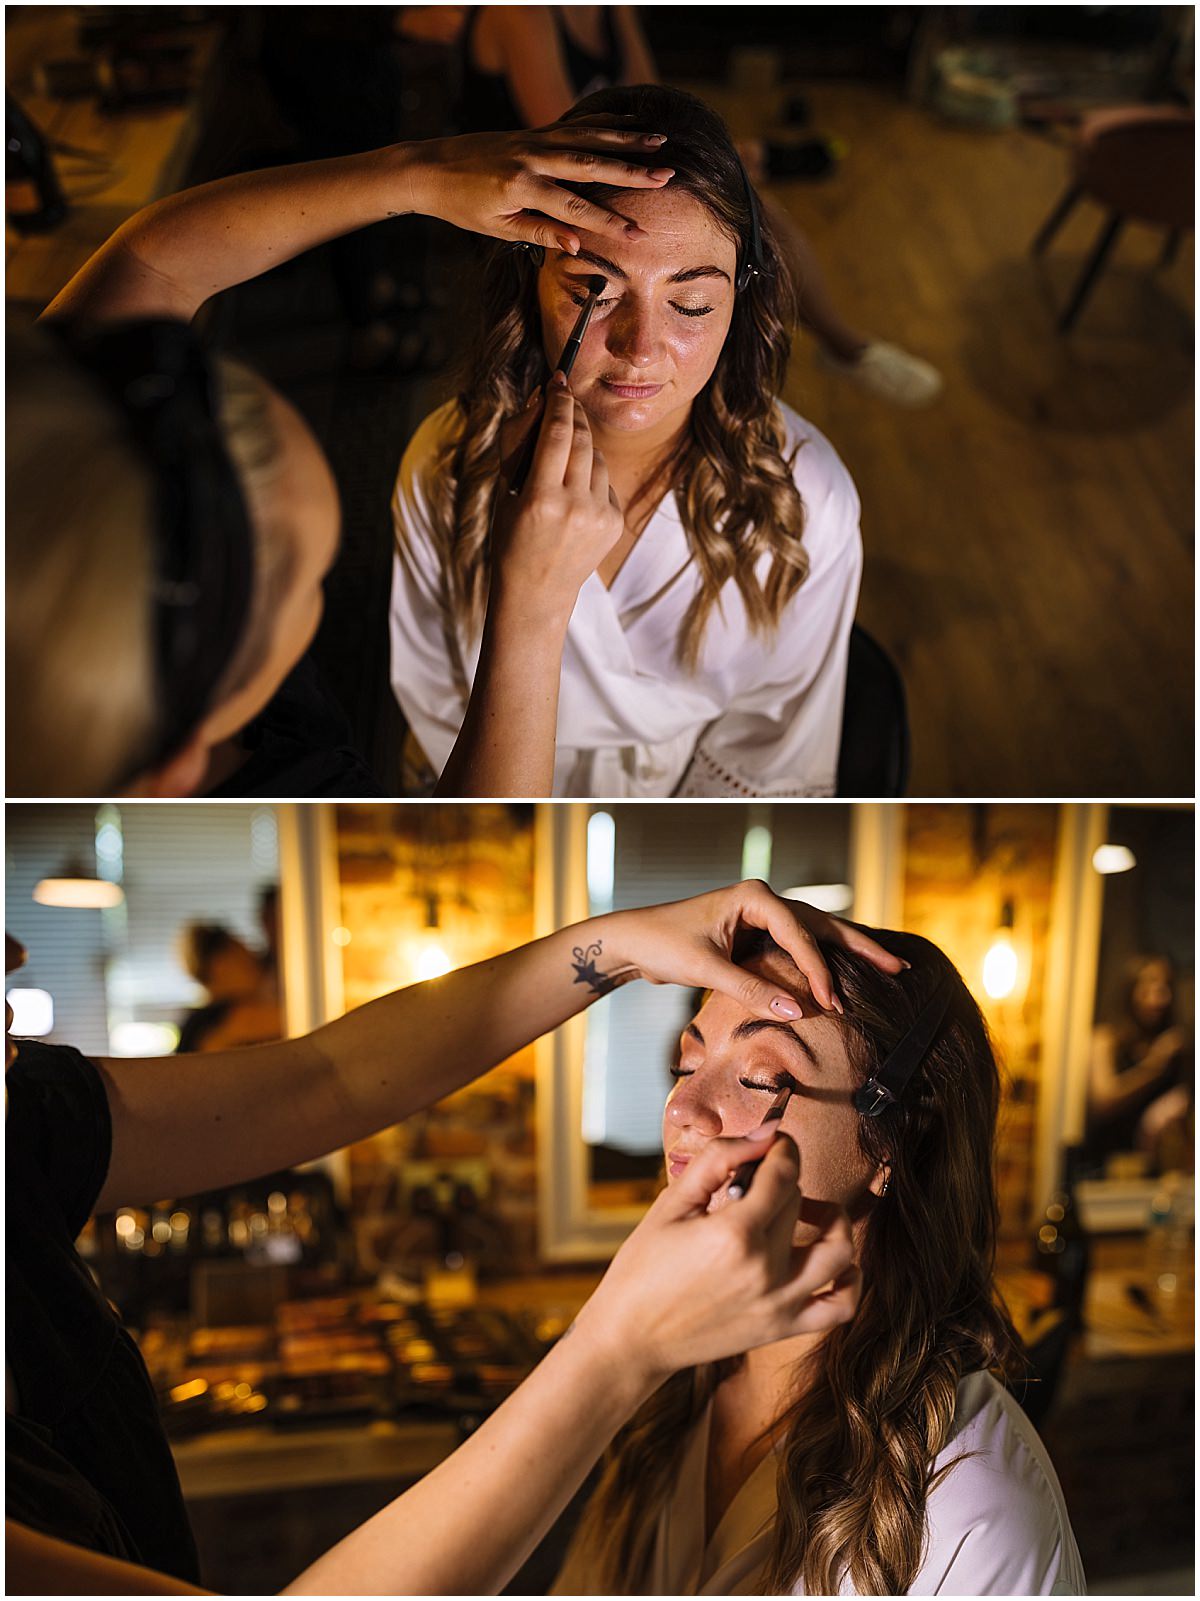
[
  {"x": 737, "y": 498},
  {"x": 876, "y": 1400}
]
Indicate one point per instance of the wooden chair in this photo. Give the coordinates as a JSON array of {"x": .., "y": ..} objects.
[{"x": 1139, "y": 163}]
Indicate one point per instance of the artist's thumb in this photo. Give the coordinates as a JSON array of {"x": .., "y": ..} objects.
[{"x": 707, "y": 1173}]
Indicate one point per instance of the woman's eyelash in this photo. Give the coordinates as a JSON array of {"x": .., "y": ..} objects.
[
  {"x": 749, "y": 1083},
  {"x": 684, "y": 311}
]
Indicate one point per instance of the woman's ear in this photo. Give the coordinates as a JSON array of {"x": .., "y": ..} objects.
[{"x": 879, "y": 1184}]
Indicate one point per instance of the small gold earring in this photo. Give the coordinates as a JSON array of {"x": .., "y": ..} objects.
[{"x": 887, "y": 1180}]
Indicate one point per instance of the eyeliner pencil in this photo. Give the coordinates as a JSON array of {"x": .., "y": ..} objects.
[
  {"x": 596, "y": 287},
  {"x": 739, "y": 1184}
]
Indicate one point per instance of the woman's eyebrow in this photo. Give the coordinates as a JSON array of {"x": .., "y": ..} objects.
[
  {"x": 605, "y": 265},
  {"x": 690, "y": 273},
  {"x": 684, "y": 276},
  {"x": 756, "y": 1025}
]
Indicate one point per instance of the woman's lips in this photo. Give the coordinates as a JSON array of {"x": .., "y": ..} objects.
[
  {"x": 631, "y": 391},
  {"x": 676, "y": 1164}
]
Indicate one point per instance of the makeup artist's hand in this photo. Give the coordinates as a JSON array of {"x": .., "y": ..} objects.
[
  {"x": 690, "y": 942},
  {"x": 690, "y": 1286},
  {"x": 548, "y": 539},
  {"x": 507, "y": 184}
]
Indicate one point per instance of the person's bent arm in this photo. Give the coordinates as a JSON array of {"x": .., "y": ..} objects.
[
  {"x": 565, "y": 522},
  {"x": 534, "y": 65},
  {"x": 1111, "y": 1091},
  {"x": 687, "y": 1287},
  {"x": 181, "y": 1124},
  {"x": 637, "y": 59},
  {"x": 169, "y": 258}
]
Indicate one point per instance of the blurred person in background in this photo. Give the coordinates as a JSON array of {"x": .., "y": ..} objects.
[
  {"x": 523, "y": 66},
  {"x": 243, "y": 1001},
  {"x": 1141, "y": 1076},
  {"x": 93, "y": 1500},
  {"x": 170, "y": 517}
]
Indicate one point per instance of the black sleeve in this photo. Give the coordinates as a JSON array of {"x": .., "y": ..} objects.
[{"x": 58, "y": 1116}]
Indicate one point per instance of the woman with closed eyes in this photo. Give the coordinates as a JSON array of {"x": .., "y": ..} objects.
[
  {"x": 670, "y": 614},
  {"x": 885, "y": 1456}
]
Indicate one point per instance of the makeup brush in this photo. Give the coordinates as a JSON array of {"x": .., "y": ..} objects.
[
  {"x": 595, "y": 288},
  {"x": 739, "y": 1184}
]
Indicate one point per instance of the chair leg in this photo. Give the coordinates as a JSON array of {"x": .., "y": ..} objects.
[
  {"x": 1170, "y": 247},
  {"x": 1055, "y": 220},
  {"x": 1091, "y": 272}
]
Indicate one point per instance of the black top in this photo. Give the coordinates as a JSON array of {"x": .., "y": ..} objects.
[
  {"x": 86, "y": 1457},
  {"x": 487, "y": 104},
  {"x": 300, "y": 745}
]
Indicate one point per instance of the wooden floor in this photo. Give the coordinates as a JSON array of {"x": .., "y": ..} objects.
[{"x": 1029, "y": 537}]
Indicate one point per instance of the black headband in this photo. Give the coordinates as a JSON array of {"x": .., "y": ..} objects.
[
  {"x": 753, "y": 264},
  {"x": 203, "y": 547},
  {"x": 884, "y": 1088}
]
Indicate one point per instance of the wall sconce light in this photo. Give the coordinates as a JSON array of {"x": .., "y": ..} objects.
[
  {"x": 1113, "y": 859},
  {"x": 1001, "y": 965},
  {"x": 431, "y": 960}
]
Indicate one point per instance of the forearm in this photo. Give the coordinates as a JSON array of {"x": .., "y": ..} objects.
[
  {"x": 467, "y": 1527},
  {"x": 506, "y": 745},
  {"x": 188, "y": 1123},
  {"x": 39, "y": 1564},
  {"x": 169, "y": 258}
]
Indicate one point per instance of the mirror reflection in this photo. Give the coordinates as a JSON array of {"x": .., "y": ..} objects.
[{"x": 1141, "y": 1068}]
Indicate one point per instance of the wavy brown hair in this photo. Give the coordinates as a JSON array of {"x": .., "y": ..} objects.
[
  {"x": 737, "y": 498},
  {"x": 876, "y": 1399}
]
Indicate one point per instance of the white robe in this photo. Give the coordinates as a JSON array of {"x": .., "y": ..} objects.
[
  {"x": 996, "y": 1524},
  {"x": 761, "y": 715}
]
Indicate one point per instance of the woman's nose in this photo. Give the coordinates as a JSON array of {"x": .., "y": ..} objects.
[
  {"x": 690, "y": 1107},
  {"x": 633, "y": 336}
]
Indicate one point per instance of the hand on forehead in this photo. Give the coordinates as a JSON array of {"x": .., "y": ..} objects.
[{"x": 812, "y": 1047}]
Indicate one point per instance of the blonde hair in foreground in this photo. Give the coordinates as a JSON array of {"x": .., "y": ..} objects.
[
  {"x": 877, "y": 1402},
  {"x": 81, "y": 703},
  {"x": 737, "y": 498}
]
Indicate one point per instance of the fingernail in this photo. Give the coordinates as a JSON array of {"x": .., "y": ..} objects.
[
  {"x": 654, "y": 139},
  {"x": 634, "y": 232},
  {"x": 836, "y": 1005},
  {"x": 906, "y": 965},
  {"x": 763, "y": 1133},
  {"x": 662, "y": 172},
  {"x": 559, "y": 381},
  {"x": 785, "y": 1006},
  {"x": 571, "y": 246}
]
